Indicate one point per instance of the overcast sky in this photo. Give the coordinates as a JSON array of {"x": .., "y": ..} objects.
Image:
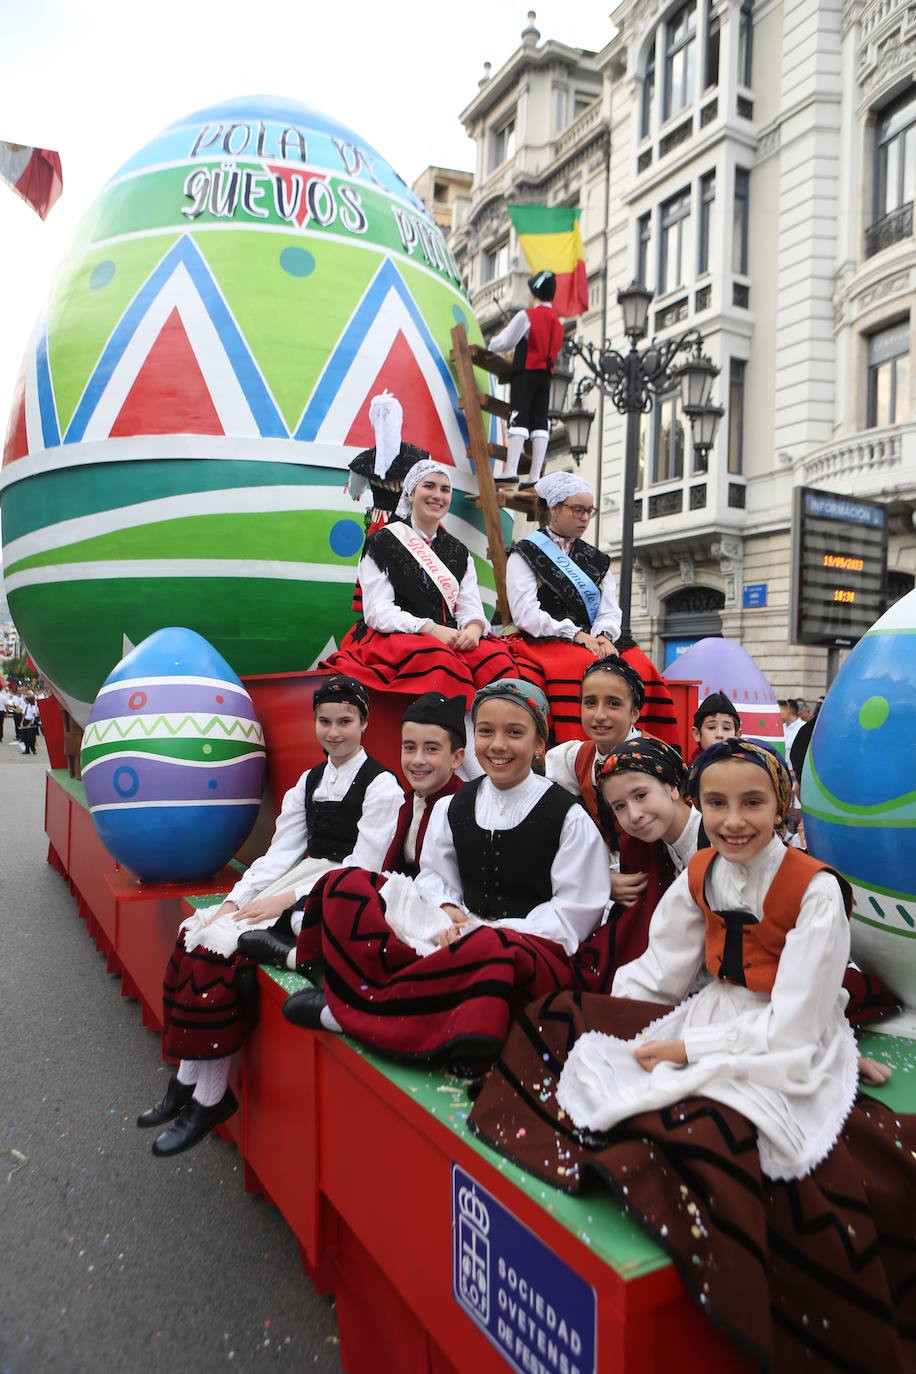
[{"x": 98, "y": 79}]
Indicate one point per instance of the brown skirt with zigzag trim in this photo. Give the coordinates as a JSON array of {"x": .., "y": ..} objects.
[
  {"x": 209, "y": 1003},
  {"x": 458, "y": 1000},
  {"x": 414, "y": 664},
  {"x": 816, "y": 1273}
]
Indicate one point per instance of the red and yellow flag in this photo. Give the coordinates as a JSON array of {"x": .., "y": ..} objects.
[{"x": 550, "y": 238}]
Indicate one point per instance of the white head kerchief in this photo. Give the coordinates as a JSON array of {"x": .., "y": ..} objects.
[
  {"x": 557, "y": 487},
  {"x": 386, "y": 416},
  {"x": 413, "y": 478}
]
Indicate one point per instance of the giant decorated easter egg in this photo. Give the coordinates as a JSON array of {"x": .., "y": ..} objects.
[
  {"x": 722, "y": 665},
  {"x": 858, "y": 794},
  {"x": 198, "y": 381},
  {"x": 173, "y": 759}
]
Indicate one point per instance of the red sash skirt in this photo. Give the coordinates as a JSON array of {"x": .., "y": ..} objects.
[{"x": 418, "y": 663}]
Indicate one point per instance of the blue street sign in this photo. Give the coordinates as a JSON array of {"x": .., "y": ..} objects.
[{"x": 755, "y": 594}]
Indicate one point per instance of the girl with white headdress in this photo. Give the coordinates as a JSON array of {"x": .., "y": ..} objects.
[
  {"x": 424, "y": 628},
  {"x": 562, "y": 599}
]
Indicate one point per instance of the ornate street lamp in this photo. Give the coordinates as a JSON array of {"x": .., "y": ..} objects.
[
  {"x": 559, "y": 384},
  {"x": 634, "y": 302},
  {"x": 578, "y": 423},
  {"x": 634, "y": 381}
]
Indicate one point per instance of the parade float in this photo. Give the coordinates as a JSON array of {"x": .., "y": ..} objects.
[{"x": 189, "y": 402}]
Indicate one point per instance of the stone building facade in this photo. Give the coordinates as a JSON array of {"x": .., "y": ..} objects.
[
  {"x": 754, "y": 165},
  {"x": 762, "y": 161},
  {"x": 540, "y": 128}
]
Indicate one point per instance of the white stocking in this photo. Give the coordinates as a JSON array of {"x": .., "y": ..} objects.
[
  {"x": 213, "y": 1075},
  {"x": 514, "y": 446},
  {"x": 539, "y": 440},
  {"x": 330, "y": 1021},
  {"x": 469, "y": 768},
  {"x": 187, "y": 1071}
]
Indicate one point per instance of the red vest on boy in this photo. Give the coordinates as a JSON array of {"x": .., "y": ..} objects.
[
  {"x": 544, "y": 340},
  {"x": 746, "y": 952},
  {"x": 395, "y": 862}
]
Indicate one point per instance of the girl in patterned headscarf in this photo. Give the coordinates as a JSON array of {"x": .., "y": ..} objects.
[
  {"x": 642, "y": 783},
  {"x": 766, "y": 1034},
  {"x": 640, "y": 797}
]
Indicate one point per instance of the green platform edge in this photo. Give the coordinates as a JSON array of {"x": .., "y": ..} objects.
[{"x": 595, "y": 1218}]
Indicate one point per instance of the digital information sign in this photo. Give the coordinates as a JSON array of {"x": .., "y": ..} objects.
[{"x": 839, "y": 567}]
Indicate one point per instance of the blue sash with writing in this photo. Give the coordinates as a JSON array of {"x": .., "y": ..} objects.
[{"x": 590, "y": 594}]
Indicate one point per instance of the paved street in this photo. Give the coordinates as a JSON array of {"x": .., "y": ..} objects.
[{"x": 111, "y": 1260}]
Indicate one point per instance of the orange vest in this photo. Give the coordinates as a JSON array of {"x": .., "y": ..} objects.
[
  {"x": 582, "y": 768},
  {"x": 751, "y": 955}
]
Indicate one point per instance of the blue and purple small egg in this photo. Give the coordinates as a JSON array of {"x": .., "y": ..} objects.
[
  {"x": 173, "y": 759},
  {"x": 858, "y": 793}
]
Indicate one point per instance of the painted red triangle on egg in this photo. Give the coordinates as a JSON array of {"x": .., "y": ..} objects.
[
  {"x": 400, "y": 373},
  {"x": 169, "y": 394},
  {"x": 17, "y": 439}
]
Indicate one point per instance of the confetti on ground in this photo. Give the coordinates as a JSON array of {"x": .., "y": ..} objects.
[{"x": 20, "y": 1161}]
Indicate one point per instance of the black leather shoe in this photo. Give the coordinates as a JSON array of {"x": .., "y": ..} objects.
[
  {"x": 304, "y": 1008},
  {"x": 266, "y": 946},
  {"x": 192, "y": 1124},
  {"x": 176, "y": 1095}
]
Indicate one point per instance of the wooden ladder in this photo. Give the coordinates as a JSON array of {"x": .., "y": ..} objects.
[{"x": 490, "y": 499}]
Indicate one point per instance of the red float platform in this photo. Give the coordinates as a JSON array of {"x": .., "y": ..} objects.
[{"x": 358, "y": 1152}]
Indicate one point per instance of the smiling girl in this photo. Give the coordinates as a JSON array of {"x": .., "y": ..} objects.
[
  {"x": 343, "y": 810},
  {"x": 767, "y": 1033},
  {"x": 513, "y": 876},
  {"x": 424, "y": 628}
]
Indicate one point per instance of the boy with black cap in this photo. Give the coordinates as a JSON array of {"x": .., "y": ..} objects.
[
  {"x": 536, "y": 334},
  {"x": 716, "y": 719},
  {"x": 433, "y": 742}
]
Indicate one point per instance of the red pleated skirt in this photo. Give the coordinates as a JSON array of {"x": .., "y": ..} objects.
[{"x": 416, "y": 663}]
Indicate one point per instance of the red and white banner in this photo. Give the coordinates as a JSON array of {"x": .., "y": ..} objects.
[{"x": 34, "y": 173}]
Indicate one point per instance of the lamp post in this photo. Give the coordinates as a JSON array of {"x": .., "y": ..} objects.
[{"x": 633, "y": 381}]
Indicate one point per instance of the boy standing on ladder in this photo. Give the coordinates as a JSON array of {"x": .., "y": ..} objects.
[{"x": 536, "y": 334}]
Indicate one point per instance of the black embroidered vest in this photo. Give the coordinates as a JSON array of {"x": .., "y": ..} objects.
[
  {"x": 414, "y": 590},
  {"x": 507, "y": 872},
  {"x": 556, "y": 594},
  {"x": 333, "y": 826}
]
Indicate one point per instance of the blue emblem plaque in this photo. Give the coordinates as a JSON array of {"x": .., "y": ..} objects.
[{"x": 538, "y": 1312}]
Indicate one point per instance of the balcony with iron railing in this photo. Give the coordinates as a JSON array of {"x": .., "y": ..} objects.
[{"x": 889, "y": 229}]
